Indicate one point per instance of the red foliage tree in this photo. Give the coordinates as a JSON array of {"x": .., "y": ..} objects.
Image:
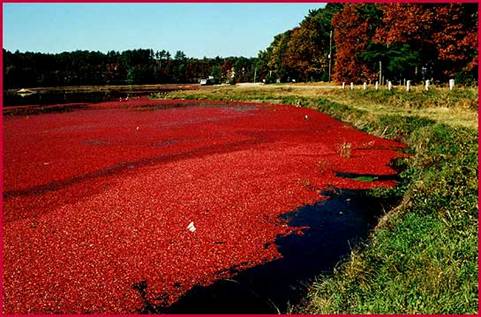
[
  {"x": 444, "y": 34},
  {"x": 455, "y": 38},
  {"x": 352, "y": 34},
  {"x": 405, "y": 23}
]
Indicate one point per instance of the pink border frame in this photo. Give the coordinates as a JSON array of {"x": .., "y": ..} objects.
[{"x": 227, "y": 1}]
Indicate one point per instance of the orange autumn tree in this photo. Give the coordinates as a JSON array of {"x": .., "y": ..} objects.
[
  {"x": 304, "y": 55},
  {"x": 411, "y": 26},
  {"x": 455, "y": 38},
  {"x": 307, "y": 54},
  {"x": 353, "y": 29},
  {"x": 410, "y": 40},
  {"x": 444, "y": 35}
]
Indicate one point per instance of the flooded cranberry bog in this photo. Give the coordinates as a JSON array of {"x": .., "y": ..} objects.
[{"x": 181, "y": 206}]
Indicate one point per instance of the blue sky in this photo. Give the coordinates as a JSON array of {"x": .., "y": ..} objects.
[{"x": 197, "y": 29}]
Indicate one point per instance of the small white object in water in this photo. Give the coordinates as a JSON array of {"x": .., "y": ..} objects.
[
  {"x": 306, "y": 117},
  {"x": 138, "y": 128},
  {"x": 191, "y": 227},
  {"x": 340, "y": 212}
]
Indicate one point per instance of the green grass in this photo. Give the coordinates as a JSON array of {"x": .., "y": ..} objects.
[
  {"x": 422, "y": 256},
  {"x": 365, "y": 178}
]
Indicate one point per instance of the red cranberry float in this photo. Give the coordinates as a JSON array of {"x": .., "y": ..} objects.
[{"x": 170, "y": 192}]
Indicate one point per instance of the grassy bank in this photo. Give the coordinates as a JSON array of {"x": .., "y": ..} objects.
[
  {"x": 455, "y": 108},
  {"x": 422, "y": 256}
]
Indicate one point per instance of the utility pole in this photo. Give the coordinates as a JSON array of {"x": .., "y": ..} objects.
[
  {"x": 255, "y": 71},
  {"x": 330, "y": 54},
  {"x": 380, "y": 72}
]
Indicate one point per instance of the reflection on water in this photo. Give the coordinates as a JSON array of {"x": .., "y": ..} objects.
[
  {"x": 61, "y": 97},
  {"x": 85, "y": 94}
]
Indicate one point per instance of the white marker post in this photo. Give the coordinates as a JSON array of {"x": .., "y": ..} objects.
[
  {"x": 343, "y": 85},
  {"x": 389, "y": 85},
  {"x": 451, "y": 84},
  {"x": 408, "y": 85},
  {"x": 352, "y": 86},
  {"x": 426, "y": 85},
  {"x": 364, "y": 86},
  {"x": 377, "y": 85}
]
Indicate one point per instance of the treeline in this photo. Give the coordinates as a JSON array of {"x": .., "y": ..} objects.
[
  {"x": 140, "y": 66},
  {"x": 412, "y": 41},
  {"x": 350, "y": 42}
]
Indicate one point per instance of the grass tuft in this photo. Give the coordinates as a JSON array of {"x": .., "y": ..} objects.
[{"x": 344, "y": 150}]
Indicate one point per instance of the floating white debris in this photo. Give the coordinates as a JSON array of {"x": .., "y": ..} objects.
[
  {"x": 138, "y": 128},
  {"x": 191, "y": 227},
  {"x": 25, "y": 92},
  {"x": 306, "y": 117}
]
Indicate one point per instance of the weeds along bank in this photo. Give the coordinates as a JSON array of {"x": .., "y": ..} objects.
[{"x": 422, "y": 257}]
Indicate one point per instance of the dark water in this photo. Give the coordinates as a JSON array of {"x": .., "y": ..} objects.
[
  {"x": 335, "y": 225},
  {"x": 371, "y": 177},
  {"x": 60, "y": 98}
]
